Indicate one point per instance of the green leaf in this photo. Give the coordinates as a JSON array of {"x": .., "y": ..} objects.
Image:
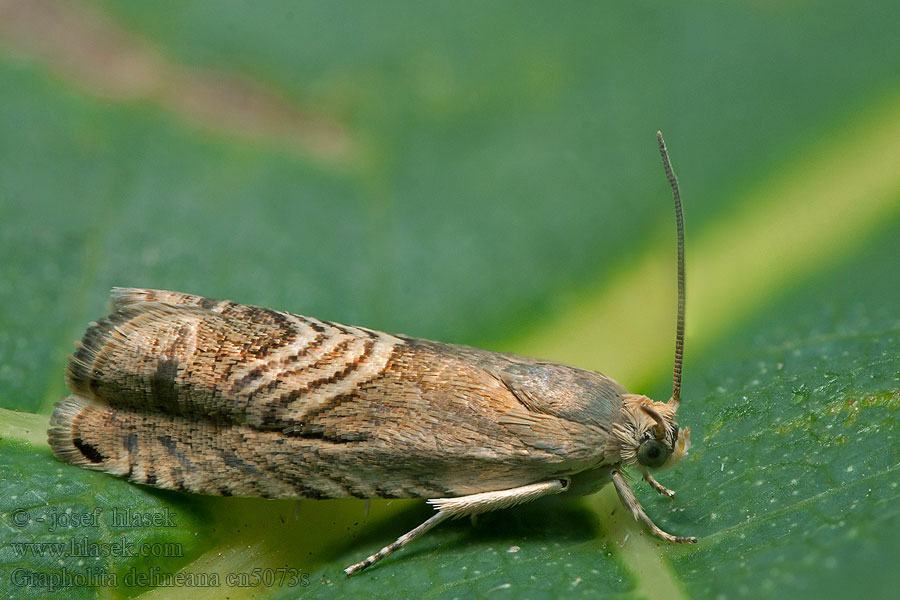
[
  {"x": 483, "y": 174},
  {"x": 65, "y": 534},
  {"x": 801, "y": 452}
]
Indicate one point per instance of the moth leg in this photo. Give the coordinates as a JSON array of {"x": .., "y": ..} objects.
[
  {"x": 631, "y": 503},
  {"x": 399, "y": 543},
  {"x": 658, "y": 486},
  {"x": 474, "y": 504}
]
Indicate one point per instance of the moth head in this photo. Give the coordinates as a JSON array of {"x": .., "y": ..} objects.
[{"x": 647, "y": 436}]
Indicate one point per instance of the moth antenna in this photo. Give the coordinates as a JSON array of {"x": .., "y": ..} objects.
[{"x": 679, "y": 226}]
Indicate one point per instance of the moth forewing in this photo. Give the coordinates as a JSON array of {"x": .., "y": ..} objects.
[{"x": 214, "y": 397}]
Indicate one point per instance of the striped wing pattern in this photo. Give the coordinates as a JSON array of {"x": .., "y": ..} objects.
[{"x": 216, "y": 397}]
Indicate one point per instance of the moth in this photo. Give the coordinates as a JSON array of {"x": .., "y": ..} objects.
[{"x": 214, "y": 397}]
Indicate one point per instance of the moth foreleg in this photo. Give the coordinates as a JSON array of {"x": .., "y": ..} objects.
[
  {"x": 631, "y": 503},
  {"x": 473, "y": 504},
  {"x": 658, "y": 486}
]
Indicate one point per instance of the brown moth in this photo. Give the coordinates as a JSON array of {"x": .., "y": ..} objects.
[{"x": 213, "y": 397}]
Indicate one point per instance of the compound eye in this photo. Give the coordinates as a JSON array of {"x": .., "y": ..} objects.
[{"x": 652, "y": 454}]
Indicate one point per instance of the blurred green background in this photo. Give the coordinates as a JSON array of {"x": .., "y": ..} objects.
[{"x": 481, "y": 173}]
